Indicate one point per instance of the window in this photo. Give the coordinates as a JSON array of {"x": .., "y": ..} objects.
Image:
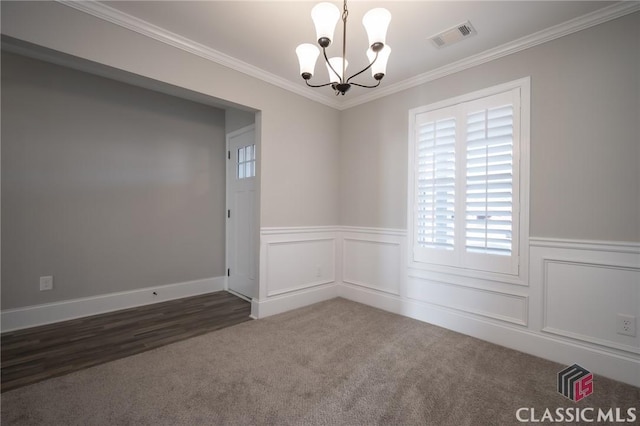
[
  {"x": 246, "y": 167},
  {"x": 466, "y": 180}
]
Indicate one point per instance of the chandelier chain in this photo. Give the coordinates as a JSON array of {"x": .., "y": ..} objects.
[{"x": 345, "y": 14}]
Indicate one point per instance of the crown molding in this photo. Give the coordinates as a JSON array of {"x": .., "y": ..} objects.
[
  {"x": 569, "y": 27},
  {"x": 145, "y": 28},
  {"x": 155, "y": 32}
]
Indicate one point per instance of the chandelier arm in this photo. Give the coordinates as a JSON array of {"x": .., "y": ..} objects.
[
  {"x": 319, "y": 85},
  {"x": 360, "y": 72},
  {"x": 368, "y": 87}
]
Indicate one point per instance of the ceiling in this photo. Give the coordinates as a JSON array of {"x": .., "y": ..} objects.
[{"x": 260, "y": 37}]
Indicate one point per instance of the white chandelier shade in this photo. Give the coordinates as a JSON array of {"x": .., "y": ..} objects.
[
  {"x": 307, "y": 57},
  {"x": 336, "y": 63},
  {"x": 376, "y": 22},
  {"x": 325, "y": 17},
  {"x": 378, "y": 66}
]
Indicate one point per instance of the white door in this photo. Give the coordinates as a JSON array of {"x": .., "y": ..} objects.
[{"x": 241, "y": 172}]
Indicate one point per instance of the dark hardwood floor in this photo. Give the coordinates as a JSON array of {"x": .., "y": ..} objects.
[{"x": 40, "y": 353}]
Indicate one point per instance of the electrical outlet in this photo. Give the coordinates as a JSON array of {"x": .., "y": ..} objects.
[
  {"x": 46, "y": 283},
  {"x": 626, "y": 325}
]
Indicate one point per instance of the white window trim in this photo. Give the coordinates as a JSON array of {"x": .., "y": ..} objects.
[{"x": 524, "y": 84}]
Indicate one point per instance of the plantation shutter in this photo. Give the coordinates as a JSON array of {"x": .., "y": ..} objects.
[
  {"x": 436, "y": 184},
  {"x": 465, "y": 210},
  {"x": 489, "y": 181}
]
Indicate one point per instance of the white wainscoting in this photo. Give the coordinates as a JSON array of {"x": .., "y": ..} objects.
[
  {"x": 374, "y": 259},
  {"x": 582, "y": 301},
  {"x": 511, "y": 308},
  {"x": 580, "y": 287},
  {"x": 375, "y": 272},
  {"x": 298, "y": 264},
  {"x": 31, "y": 316},
  {"x": 298, "y": 267}
]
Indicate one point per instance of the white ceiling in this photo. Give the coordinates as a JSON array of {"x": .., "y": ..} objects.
[{"x": 261, "y": 36}]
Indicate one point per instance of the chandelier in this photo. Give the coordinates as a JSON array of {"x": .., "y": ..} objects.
[{"x": 325, "y": 17}]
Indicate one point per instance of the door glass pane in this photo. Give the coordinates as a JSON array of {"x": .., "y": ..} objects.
[{"x": 246, "y": 165}]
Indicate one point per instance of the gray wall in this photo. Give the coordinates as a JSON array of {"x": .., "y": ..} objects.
[
  {"x": 236, "y": 119},
  {"x": 106, "y": 186},
  {"x": 299, "y": 138},
  {"x": 585, "y": 144}
]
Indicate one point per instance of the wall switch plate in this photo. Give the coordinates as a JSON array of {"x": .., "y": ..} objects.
[
  {"x": 626, "y": 325},
  {"x": 46, "y": 283}
]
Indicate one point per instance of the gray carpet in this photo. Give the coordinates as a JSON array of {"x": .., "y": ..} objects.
[{"x": 333, "y": 363}]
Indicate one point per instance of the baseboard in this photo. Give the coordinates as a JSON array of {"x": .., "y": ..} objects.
[
  {"x": 613, "y": 364},
  {"x": 370, "y": 297},
  {"x": 31, "y": 316},
  {"x": 286, "y": 302}
]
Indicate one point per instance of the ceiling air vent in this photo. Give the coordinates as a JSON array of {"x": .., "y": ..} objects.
[{"x": 453, "y": 35}]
